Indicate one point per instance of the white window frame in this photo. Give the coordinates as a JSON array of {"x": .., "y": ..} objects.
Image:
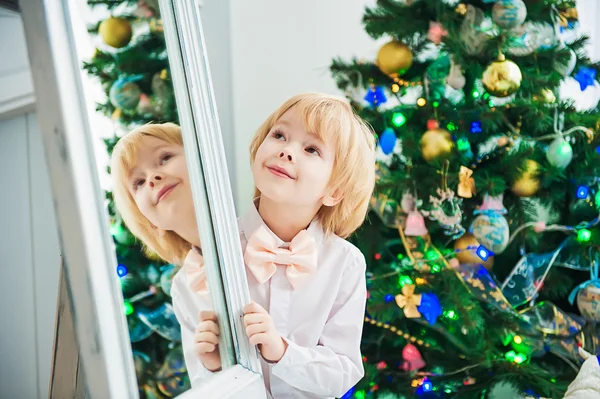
[{"x": 86, "y": 244}]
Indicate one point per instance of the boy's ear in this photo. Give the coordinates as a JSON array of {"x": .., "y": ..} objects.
[{"x": 332, "y": 199}]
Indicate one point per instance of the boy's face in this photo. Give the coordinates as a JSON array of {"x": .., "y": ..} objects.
[
  {"x": 159, "y": 184},
  {"x": 293, "y": 166}
]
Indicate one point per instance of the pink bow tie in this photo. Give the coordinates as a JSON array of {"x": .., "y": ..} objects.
[
  {"x": 195, "y": 272},
  {"x": 263, "y": 255}
]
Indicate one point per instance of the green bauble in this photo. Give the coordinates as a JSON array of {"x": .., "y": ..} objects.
[{"x": 560, "y": 153}]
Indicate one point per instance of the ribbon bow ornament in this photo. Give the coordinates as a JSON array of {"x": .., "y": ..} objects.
[
  {"x": 409, "y": 301},
  {"x": 195, "y": 272},
  {"x": 466, "y": 183},
  {"x": 263, "y": 254}
]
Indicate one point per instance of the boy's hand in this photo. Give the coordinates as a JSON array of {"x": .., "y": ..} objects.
[
  {"x": 207, "y": 341},
  {"x": 260, "y": 329}
]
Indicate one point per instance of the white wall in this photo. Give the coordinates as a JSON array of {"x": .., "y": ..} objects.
[
  {"x": 29, "y": 261},
  {"x": 29, "y": 246},
  {"x": 282, "y": 48}
]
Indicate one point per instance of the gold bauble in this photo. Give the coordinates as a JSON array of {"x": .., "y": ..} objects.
[
  {"x": 469, "y": 256},
  {"x": 502, "y": 78},
  {"x": 461, "y": 9},
  {"x": 116, "y": 32},
  {"x": 394, "y": 58},
  {"x": 529, "y": 183},
  {"x": 436, "y": 144}
]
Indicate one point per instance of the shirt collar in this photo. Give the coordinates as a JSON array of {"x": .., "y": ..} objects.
[{"x": 252, "y": 220}]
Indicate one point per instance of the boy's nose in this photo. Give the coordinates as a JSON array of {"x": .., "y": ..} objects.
[
  {"x": 284, "y": 154},
  {"x": 157, "y": 178}
]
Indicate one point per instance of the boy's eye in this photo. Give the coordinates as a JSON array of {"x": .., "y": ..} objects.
[
  {"x": 165, "y": 158},
  {"x": 138, "y": 183},
  {"x": 278, "y": 135},
  {"x": 313, "y": 150}
]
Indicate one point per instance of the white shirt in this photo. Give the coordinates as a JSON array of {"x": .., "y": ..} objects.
[{"x": 321, "y": 321}]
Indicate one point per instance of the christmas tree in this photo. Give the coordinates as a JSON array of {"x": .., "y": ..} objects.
[
  {"x": 482, "y": 242},
  {"x": 131, "y": 64}
]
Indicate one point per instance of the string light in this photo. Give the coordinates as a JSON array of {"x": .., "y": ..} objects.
[
  {"x": 398, "y": 119},
  {"x": 122, "y": 270},
  {"x": 476, "y": 127},
  {"x": 421, "y": 102},
  {"x": 431, "y": 255},
  {"x": 517, "y": 339},
  {"x": 127, "y": 308},
  {"x": 582, "y": 192},
  {"x": 584, "y": 235},
  {"x": 483, "y": 253},
  {"x": 403, "y": 280},
  {"x": 450, "y": 314}
]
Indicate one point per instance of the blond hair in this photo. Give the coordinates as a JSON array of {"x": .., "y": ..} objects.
[
  {"x": 168, "y": 246},
  {"x": 332, "y": 118}
]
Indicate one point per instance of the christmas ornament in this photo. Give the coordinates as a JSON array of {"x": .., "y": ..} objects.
[
  {"x": 436, "y": 144},
  {"x": 394, "y": 58},
  {"x": 588, "y": 300},
  {"x": 466, "y": 183},
  {"x": 138, "y": 331},
  {"x": 415, "y": 224},
  {"x": 586, "y": 77},
  {"x": 509, "y": 14},
  {"x": 116, "y": 32},
  {"x": 529, "y": 37},
  {"x": 166, "y": 277},
  {"x": 472, "y": 33},
  {"x": 447, "y": 211},
  {"x": 545, "y": 96},
  {"x": 466, "y": 252},
  {"x": 490, "y": 227},
  {"x": 505, "y": 390},
  {"x": 387, "y": 141},
  {"x": 156, "y": 26},
  {"x": 430, "y": 307},
  {"x": 527, "y": 277},
  {"x": 456, "y": 79},
  {"x": 559, "y": 153},
  {"x": 172, "y": 377},
  {"x": 528, "y": 184},
  {"x": 412, "y": 358},
  {"x": 565, "y": 66},
  {"x": 162, "y": 320},
  {"x": 409, "y": 301},
  {"x": 375, "y": 96},
  {"x": 436, "y": 78},
  {"x": 568, "y": 15},
  {"x": 387, "y": 209},
  {"x": 162, "y": 91},
  {"x": 141, "y": 362},
  {"x": 125, "y": 93},
  {"x": 436, "y": 32},
  {"x": 502, "y": 77},
  {"x": 461, "y": 9}
]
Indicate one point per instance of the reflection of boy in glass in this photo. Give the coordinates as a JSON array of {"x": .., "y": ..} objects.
[{"x": 313, "y": 167}]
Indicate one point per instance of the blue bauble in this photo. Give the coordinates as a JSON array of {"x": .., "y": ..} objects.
[
  {"x": 387, "y": 141},
  {"x": 125, "y": 94}
]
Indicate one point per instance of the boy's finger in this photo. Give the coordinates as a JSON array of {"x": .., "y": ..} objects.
[
  {"x": 208, "y": 315},
  {"x": 208, "y": 325},
  {"x": 253, "y": 307}
]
